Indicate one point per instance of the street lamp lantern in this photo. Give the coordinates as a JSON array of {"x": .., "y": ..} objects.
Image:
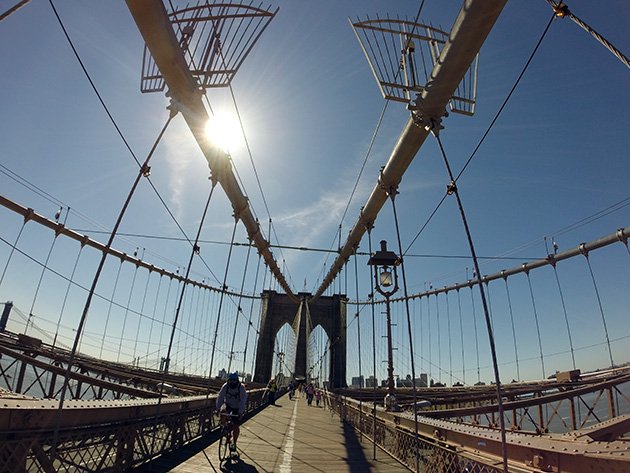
[{"x": 384, "y": 277}]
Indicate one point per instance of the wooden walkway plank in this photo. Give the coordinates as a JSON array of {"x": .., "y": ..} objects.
[{"x": 295, "y": 437}]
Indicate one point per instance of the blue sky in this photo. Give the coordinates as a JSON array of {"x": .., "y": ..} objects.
[{"x": 309, "y": 103}]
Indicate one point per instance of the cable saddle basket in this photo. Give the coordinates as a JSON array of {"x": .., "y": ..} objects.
[
  {"x": 402, "y": 54},
  {"x": 214, "y": 38}
]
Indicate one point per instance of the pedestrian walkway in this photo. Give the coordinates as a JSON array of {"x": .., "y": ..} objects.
[{"x": 293, "y": 437}]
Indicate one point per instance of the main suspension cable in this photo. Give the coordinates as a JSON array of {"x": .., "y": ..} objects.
[{"x": 561, "y": 10}]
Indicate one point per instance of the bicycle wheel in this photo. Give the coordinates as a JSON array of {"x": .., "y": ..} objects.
[{"x": 224, "y": 447}]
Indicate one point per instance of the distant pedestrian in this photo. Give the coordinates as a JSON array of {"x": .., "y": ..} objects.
[
  {"x": 318, "y": 396},
  {"x": 272, "y": 387},
  {"x": 310, "y": 392}
]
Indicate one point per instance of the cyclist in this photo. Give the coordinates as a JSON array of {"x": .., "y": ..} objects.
[{"x": 232, "y": 400}]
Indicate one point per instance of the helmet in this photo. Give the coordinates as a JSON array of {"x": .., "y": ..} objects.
[{"x": 233, "y": 377}]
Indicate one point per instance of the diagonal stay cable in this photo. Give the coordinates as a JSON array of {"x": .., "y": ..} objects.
[{"x": 484, "y": 136}]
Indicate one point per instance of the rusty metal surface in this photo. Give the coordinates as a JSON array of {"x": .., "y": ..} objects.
[
  {"x": 101, "y": 435},
  {"x": 445, "y": 445},
  {"x": 38, "y": 372}
]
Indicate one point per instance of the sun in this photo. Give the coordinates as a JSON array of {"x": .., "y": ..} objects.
[{"x": 224, "y": 130}]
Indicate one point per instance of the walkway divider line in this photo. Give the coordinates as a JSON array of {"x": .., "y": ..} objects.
[{"x": 289, "y": 443}]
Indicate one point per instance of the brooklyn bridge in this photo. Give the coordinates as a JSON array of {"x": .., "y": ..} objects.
[{"x": 457, "y": 295}]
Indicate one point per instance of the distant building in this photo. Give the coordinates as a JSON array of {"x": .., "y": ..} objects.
[
  {"x": 371, "y": 382},
  {"x": 422, "y": 381},
  {"x": 222, "y": 373},
  {"x": 358, "y": 382},
  {"x": 248, "y": 378}
]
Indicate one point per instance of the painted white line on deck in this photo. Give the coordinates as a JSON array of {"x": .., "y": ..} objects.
[{"x": 288, "y": 444}]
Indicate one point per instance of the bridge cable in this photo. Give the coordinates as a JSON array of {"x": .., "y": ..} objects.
[
  {"x": 109, "y": 309},
  {"x": 144, "y": 298},
  {"x": 249, "y": 321},
  {"x": 65, "y": 297},
  {"x": 540, "y": 348},
  {"x": 238, "y": 310},
  {"x": 564, "y": 310},
  {"x": 507, "y": 98},
  {"x": 599, "y": 303},
  {"x": 145, "y": 168},
  {"x": 225, "y": 274},
  {"x": 361, "y": 383},
  {"x": 450, "y": 351},
  {"x": 157, "y": 297},
  {"x": 143, "y": 171},
  {"x": 461, "y": 332},
  {"x": 392, "y": 194},
  {"x": 195, "y": 250},
  {"x": 369, "y": 226},
  {"x": 122, "y": 333},
  {"x": 561, "y": 10},
  {"x": 509, "y": 301},
  {"x": 13, "y": 248},
  {"x": 250, "y": 155},
  {"x": 452, "y": 188},
  {"x": 259, "y": 322},
  {"x": 374, "y": 135},
  {"x": 429, "y": 332},
  {"x": 439, "y": 342},
  {"x": 39, "y": 282},
  {"x": 13, "y": 9}
]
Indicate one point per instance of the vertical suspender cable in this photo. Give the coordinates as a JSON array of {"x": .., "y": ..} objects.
[
  {"x": 258, "y": 329},
  {"x": 474, "y": 314},
  {"x": 356, "y": 283},
  {"x": 509, "y": 299},
  {"x": 461, "y": 333},
  {"x": 122, "y": 333},
  {"x": 195, "y": 250},
  {"x": 369, "y": 232},
  {"x": 144, "y": 299},
  {"x": 238, "y": 309},
  {"x": 599, "y": 303},
  {"x": 65, "y": 297},
  {"x": 453, "y": 189},
  {"x": 392, "y": 195},
  {"x": 153, "y": 319},
  {"x": 566, "y": 315},
  {"x": 450, "y": 352},
  {"x": 540, "y": 348},
  {"x": 439, "y": 343},
  {"x": 223, "y": 289},
  {"x": 251, "y": 310},
  {"x": 39, "y": 283}
]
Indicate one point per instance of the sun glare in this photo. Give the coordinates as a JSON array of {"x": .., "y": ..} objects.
[{"x": 224, "y": 130}]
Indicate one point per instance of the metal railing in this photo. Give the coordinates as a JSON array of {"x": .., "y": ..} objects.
[
  {"x": 401, "y": 443},
  {"x": 111, "y": 436}
]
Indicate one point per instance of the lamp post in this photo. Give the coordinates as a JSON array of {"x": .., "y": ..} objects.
[{"x": 384, "y": 277}]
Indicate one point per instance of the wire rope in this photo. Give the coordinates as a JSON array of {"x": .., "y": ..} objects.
[
  {"x": 540, "y": 347},
  {"x": 393, "y": 193},
  {"x": 601, "y": 309},
  {"x": 561, "y": 10},
  {"x": 216, "y": 330},
  {"x": 452, "y": 188},
  {"x": 509, "y": 300}
]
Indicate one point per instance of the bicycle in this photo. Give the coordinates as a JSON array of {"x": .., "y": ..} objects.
[{"x": 227, "y": 447}]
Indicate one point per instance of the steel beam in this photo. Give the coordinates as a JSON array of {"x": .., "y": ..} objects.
[
  {"x": 156, "y": 29},
  {"x": 472, "y": 26}
]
